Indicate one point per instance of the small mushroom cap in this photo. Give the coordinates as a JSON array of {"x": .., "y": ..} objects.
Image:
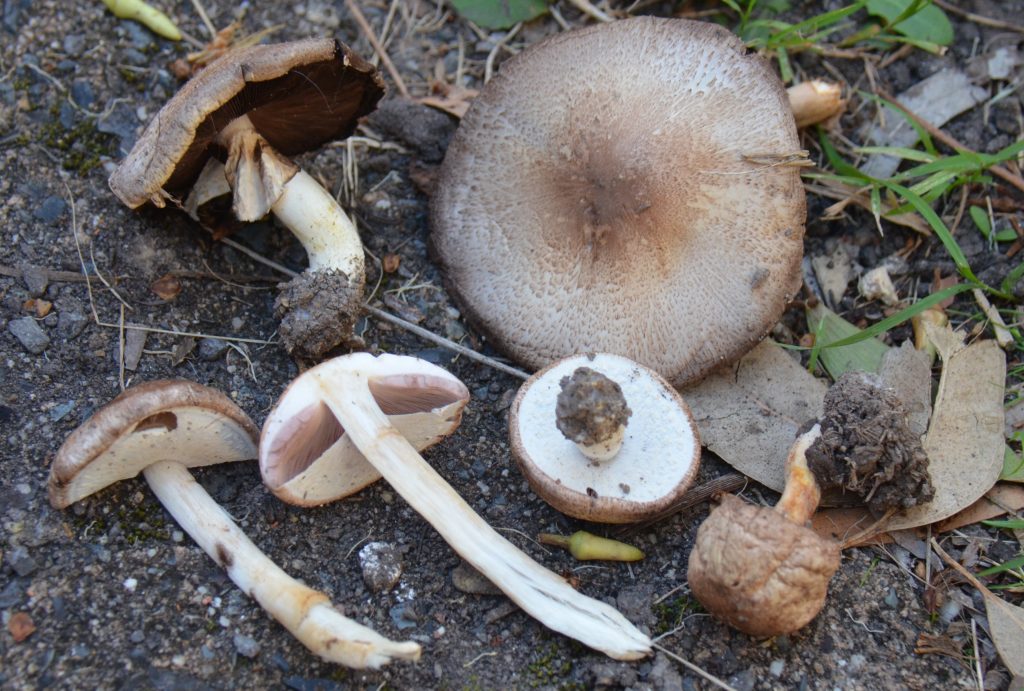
[
  {"x": 298, "y": 95},
  {"x": 167, "y": 420},
  {"x": 759, "y": 572},
  {"x": 622, "y": 188},
  {"x": 305, "y": 456},
  {"x": 658, "y": 460}
]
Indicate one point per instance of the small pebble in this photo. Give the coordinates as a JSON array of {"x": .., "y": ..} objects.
[
  {"x": 29, "y": 334},
  {"x": 51, "y": 209},
  {"x": 382, "y": 566},
  {"x": 211, "y": 349},
  {"x": 130, "y": 584},
  {"x": 246, "y": 645},
  {"x": 22, "y": 563},
  {"x": 35, "y": 280},
  {"x": 776, "y": 667}
]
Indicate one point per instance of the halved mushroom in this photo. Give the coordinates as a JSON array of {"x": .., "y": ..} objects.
[
  {"x": 349, "y": 387},
  {"x": 566, "y": 222},
  {"x": 162, "y": 429},
  {"x": 252, "y": 109},
  {"x": 583, "y": 398}
]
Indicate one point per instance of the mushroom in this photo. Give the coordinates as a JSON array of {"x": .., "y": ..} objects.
[
  {"x": 162, "y": 429},
  {"x": 252, "y": 109},
  {"x": 350, "y": 387},
  {"x": 762, "y": 570},
  {"x": 584, "y": 397},
  {"x": 565, "y": 222}
]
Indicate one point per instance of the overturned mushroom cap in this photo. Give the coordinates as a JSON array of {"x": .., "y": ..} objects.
[
  {"x": 758, "y": 571},
  {"x": 298, "y": 95},
  {"x": 656, "y": 463},
  {"x": 306, "y": 458},
  {"x": 203, "y": 426},
  {"x": 624, "y": 188}
]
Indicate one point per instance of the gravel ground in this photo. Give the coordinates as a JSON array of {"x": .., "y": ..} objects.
[{"x": 120, "y": 598}]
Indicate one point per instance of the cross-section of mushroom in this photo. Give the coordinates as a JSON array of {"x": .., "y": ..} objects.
[
  {"x": 251, "y": 110},
  {"x": 163, "y": 428},
  {"x": 357, "y": 391},
  {"x": 630, "y": 188}
]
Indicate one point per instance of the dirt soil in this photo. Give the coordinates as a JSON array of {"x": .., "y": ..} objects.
[{"x": 120, "y": 598}]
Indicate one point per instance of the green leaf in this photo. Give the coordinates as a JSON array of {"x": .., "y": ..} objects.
[
  {"x": 828, "y": 327},
  {"x": 1014, "y": 563},
  {"x": 915, "y": 19},
  {"x": 1013, "y": 466},
  {"x": 1012, "y": 524},
  {"x": 499, "y": 14}
]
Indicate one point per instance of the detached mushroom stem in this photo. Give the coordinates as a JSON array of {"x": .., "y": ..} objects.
[
  {"x": 802, "y": 494},
  {"x": 542, "y": 594},
  {"x": 305, "y": 612}
]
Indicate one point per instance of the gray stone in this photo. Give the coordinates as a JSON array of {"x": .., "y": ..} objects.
[
  {"x": 29, "y": 334},
  {"x": 246, "y": 645},
  {"x": 404, "y": 616},
  {"x": 21, "y": 561},
  {"x": 664, "y": 676},
  {"x": 71, "y": 317},
  {"x": 35, "y": 280},
  {"x": 121, "y": 122},
  {"x": 466, "y": 579},
  {"x": 635, "y": 604},
  {"x": 51, "y": 209},
  {"x": 82, "y": 93},
  {"x": 74, "y": 44},
  {"x": 211, "y": 349},
  {"x": 11, "y": 595},
  {"x": 140, "y": 36},
  {"x": 382, "y": 566}
]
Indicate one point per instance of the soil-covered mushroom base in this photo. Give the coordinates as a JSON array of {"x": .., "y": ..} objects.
[{"x": 119, "y": 596}]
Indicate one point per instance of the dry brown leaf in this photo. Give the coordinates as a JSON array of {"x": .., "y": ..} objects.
[
  {"x": 454, "y": 101},
  {"x": 166, "y": 287},
  {"x": 909, "y": 373},
  {"x": 749, "y": 412},
  {"x": 1005, "y": 621},
  {"x": 390, "y": 263},
  {"x": 964, "y": 442},
  {"x": 20, "y": 626}
]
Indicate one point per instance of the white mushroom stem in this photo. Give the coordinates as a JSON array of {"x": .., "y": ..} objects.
[
  {"x": 801, "y": 495},
  {"x": 321, "y": 225},
  {"x": 604, "y": 450},
  {"x": 305, "y": 612},
  {"x": 542, "y": 594}
]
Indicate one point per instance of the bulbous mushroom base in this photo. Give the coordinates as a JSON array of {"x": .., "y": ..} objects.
[
  {"x": 318, "y": 310},
  {"x": 759, "y": 572}
]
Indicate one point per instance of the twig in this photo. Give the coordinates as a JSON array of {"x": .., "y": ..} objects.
[
  {"x": 693, "y": 668},
  {"x": 588, "y": 9},
  {"x": 979, "y": 19},
  {"x": 478, "y": 658},
  {"x": 977, "y": 654},
  {"x": 489, "y": 64},
  {"x": 397, "y": 321},
  {"x": 367, "y": 30},
  {"x": 1003, "y": 336},
  {"x": 733, "y": 482},
  {"x": 210, "y": 28},
  {"x": 951, "y": 142}
]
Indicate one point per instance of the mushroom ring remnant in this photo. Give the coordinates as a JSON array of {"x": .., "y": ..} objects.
[
  {"x": 240, "y": 119},
  {"x": 353, "y": 389},
  {"x": 656, "y": 463},
  {"x": 624, "y": 188},
  {"x": 163, "y": 428}
]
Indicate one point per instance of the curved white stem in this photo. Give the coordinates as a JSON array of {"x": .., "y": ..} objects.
[
  {"x": 542, "y": 594},
  {"x": 305, "y": 612},
  {"x": 320, "y": 224}
]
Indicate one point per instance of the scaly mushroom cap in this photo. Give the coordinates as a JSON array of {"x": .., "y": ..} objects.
[
  {"x": 161, "y": 420},
  {"x": 306, "y": 458},
  {"x": 298, "y": 95},
  {"x": 657, "y": 462},
  {"x": 759, "y": 572},
  {"x": 622, "y": 188}
]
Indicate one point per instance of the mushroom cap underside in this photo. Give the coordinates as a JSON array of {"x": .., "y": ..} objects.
[
  {"x": 167, "y": 420},
  {"x": 298, "y": 96},
  {"x": 636, "y": 203},
  {"x": 305, "y": 456},
  {"x": 758, "y": 571},
  {"x": 657, "y": 462}
]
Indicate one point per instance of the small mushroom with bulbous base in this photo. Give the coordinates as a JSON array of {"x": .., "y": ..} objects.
[
  {"x": 762, "y": 570},
  {"x": 163, "y": 428},
  {"x": 233, "y": 128},
  {"x": 604, "y": 439}
]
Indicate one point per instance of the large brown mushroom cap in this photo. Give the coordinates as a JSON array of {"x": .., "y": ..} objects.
[
  {"x": 613, "y": 189},
  {"x": 758, "y": 571},
  {"x": 298, "y": 95}
]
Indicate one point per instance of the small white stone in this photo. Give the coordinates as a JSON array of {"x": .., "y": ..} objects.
[
  {"x": 130, "y": 584},
  {"x": 776, "y": 668}
]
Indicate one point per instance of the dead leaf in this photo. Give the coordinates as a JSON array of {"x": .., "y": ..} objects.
[
  {"x": 834, "y": 273},
  {"x": 38, "y": 305},
  {"x": 21, "y": 626},
  {"x": 964, "y": 442},
  {"x": 390, "y": 263},
  {"x": 749, "y": 412},
  {"x": 134, "y": 344},
  {"x": 909, "y": 373},
  {"x": 1005, "y": 621},
  {"x": 454, "y": 100},
  {"x": 927, "y": 644},
  {"x": 166, "y": 287}
]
